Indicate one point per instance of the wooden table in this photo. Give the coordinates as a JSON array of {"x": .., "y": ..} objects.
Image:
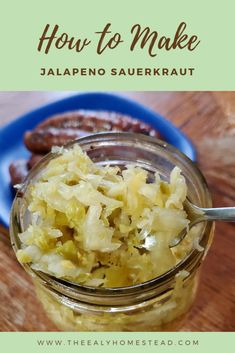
[{"x": 208, "y": 118}]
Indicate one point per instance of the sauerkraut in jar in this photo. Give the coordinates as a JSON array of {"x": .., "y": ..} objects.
[{"x": 106, "y": 229}]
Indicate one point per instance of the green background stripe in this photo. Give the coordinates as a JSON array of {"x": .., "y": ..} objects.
[{"x": 97, "y": 342}]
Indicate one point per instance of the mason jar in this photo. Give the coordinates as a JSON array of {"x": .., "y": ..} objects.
[{"x": 160, "y": 304}]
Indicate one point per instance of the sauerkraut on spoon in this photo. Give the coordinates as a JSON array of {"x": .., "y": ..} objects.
[{"x": 102, "y": 225}]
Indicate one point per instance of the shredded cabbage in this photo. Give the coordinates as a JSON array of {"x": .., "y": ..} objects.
[{"x": 102, "y": 226}]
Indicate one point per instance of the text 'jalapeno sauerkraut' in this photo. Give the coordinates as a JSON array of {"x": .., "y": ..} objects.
[{"x": 103, "y": 226}]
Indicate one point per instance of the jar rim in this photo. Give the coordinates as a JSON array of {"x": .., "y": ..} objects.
[{"x": 188, "y": 263}]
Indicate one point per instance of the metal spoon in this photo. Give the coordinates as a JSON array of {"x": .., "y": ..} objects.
[{"x": 197, "y": 215}]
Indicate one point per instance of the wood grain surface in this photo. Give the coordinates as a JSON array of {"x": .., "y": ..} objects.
[{"x": 208, "y": 118}]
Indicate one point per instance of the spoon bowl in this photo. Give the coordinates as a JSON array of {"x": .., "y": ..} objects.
[{"x": 197, "y": 215}]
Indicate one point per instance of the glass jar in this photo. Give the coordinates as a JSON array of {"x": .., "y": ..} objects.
[{"x": 156, "y": 305}]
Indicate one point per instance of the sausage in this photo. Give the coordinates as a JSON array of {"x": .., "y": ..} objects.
[
  {"x": 40, "y": 141},
  {"x": 95, "y": 121},
  {"x": 33, "y": 160},
  {"x": 18, "y": 171},
  {"x": 63, "y": 128}
]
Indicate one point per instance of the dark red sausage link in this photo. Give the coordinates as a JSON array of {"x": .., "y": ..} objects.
[
  {"x": 33, "y": 160},
  {"x": 41, "y": 141},
  {"x": 18, "y": 171},
  {"x": 63, "y": 128}
]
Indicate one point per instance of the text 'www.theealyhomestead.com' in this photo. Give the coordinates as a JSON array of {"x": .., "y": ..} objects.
[{"x": 122, "y": 342}]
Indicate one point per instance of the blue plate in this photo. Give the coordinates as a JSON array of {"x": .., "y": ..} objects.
[{"x": 11, "y": 135}]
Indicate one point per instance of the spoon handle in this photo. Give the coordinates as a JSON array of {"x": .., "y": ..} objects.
[{"x": 221, "y": 213}]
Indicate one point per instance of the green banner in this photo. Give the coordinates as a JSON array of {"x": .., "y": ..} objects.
[
  {"x": 117, "y": 342},
  {"x": 95, "y": 45}
]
